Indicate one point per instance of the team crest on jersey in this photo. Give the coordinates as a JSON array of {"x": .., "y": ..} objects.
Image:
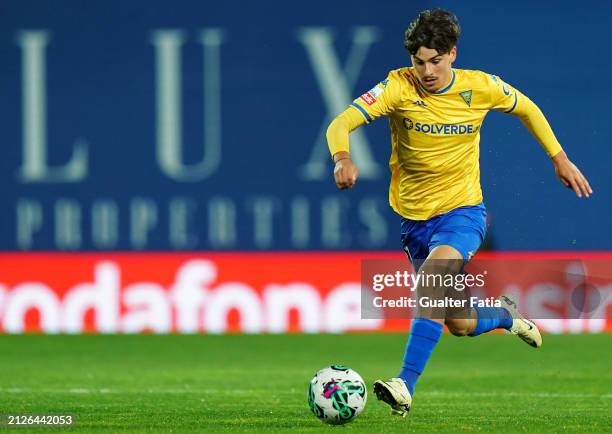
[{"x": 467, "y": 97}]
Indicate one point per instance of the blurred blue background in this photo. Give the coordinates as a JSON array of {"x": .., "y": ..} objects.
[{"x": 196, "y": 125}]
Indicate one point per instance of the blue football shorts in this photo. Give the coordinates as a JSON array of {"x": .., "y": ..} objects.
[{"x": 463, "y": 228}]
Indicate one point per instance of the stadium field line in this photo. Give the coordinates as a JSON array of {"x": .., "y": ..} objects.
[{"x": 445, "y": 394}]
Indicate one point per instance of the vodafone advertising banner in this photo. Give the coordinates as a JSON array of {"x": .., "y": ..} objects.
[{"x": 241, "y": 292}]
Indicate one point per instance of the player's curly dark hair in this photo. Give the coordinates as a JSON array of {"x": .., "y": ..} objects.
[{"x": 437, "y": 29}]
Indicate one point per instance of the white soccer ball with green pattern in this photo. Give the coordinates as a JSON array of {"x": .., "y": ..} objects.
[{"x": 337, "y": 394}]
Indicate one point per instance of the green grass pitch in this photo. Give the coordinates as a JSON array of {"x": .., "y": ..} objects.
[{"x": 239, "y": 383}]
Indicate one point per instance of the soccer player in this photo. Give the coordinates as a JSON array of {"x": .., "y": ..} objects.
[{"x": 435, "y": 113}]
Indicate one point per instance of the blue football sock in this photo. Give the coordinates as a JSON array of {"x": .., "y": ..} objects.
[
  {"x": 424, "y": 335},
  {"x": 491, "y": 318}
]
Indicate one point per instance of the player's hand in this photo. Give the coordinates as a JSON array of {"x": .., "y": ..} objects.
[
  {"x": 570, "y": 176},
  {"x": 345, "y": 172}
]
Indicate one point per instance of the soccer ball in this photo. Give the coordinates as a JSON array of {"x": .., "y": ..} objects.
[{"x": 337, "y": 394}]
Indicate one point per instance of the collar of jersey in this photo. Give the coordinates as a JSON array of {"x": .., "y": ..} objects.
[{"x": 437, "y": 92}]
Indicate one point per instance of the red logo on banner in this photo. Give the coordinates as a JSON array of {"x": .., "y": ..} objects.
[
  {"x": 246, "y": 292},
  {"x": 184, "y": 293}
]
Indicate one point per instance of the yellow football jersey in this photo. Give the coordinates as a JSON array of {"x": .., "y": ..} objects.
[{"x": 435, "y": 136}]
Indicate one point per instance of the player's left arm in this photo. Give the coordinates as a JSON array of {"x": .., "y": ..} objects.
[
  {"x": 532, "y": 117},
  {"x": 509, "y": 100}
]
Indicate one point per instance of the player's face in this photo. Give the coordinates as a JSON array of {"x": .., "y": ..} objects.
[{"x": 433, "y": 69}]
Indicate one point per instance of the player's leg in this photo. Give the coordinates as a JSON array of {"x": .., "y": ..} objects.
[
  {"x": 464, "y": 230},
  {"x": 451, "y": 239},
  {"x": 522, "y": 327},
  {"x": 425, "y": 333},
  {"x": 428, "y": 324},
  {"x": 486, "y": 319}
]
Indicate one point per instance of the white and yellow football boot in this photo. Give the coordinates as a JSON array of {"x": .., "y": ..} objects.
[
  {"x": 522, "y": 327},
  {"x": 395, "y": 393}
]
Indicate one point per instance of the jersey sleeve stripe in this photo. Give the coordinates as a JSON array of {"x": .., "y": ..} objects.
[
  {"x": 363, "y": 112},
  {"x": 515, "y": 101}
]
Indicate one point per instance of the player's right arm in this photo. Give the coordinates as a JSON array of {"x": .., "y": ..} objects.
[
  {"x": 378, "y": 101},
  {"x": 345, "y": 171}
]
